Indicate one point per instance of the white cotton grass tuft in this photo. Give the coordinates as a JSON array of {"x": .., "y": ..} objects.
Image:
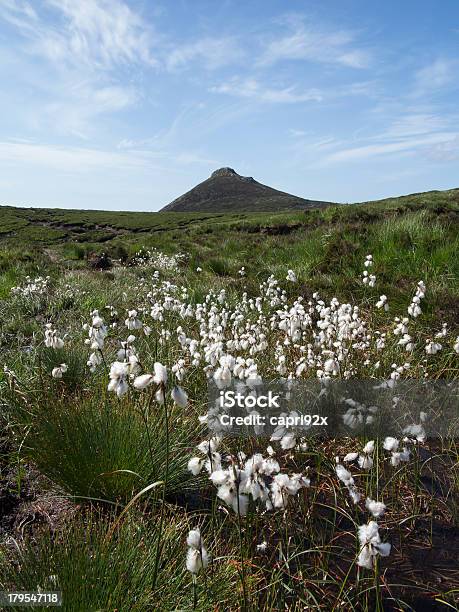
[
  {"x": 160, "y": 377},
  {"x": 143, "y": 381},
  {"x": 432, "y": 348},
  {"x": 369, "y": 447},
  {"x": 195, "y": 465},
  {"x": 414, "y": 309},
  {"x": 382, "y": 302},
  {"x": 197, "y": 557},
  {"x": 119, "y": 372},
  {"x": 59, "y": 370},
  {"x": 346, "y": 478},
  {"x": 179, "y": 397},
  {"x": 400, "y": 457},
  {"x": 344, "y": 475},
  {"x": 132, "y": 322},
  {"x": 375, "y": 508},
  {"x": 371, "y": 545},
  {"x": 52, "y": 339},
  {"x": 390, "y": 444},
  {"x": 350, "y": 457},
  {"x": 291, "y": 276}
]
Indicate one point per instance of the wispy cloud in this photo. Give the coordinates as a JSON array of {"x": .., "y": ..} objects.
[
  {"x": 85, "y": 47},
  {"x": 251, "y": 88},
  {"x": 255, "y": 88},
  {"x": 446, "y": 151},
  {"x": 371, "y": 150},
  {"x": 438, "y": 74},
  {"x": 210, "y": 52},
  {"x": 84, "y": 160},
  {"x": 412, "y": 133},
  {"x": 308, "y": 42},
  {"x": 75, "y": 111},
  {"x": 69, "y": 159},
  {"x": 106, "y": 34},
  {"x": 414, "y": 124},
  {"x": 96, "y": 33}
]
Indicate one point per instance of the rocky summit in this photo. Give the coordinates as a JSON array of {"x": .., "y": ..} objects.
[{"x": 227, "y": 191}]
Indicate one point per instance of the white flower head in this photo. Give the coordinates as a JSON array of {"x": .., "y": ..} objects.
[
  {"x": 132, "y": 322},
  {"x": 197, "y": 557},
  {"x": 390, "y": 444},
  {"x": 179, "y": 397},
  {"x": 374, "y": 507},
  {"x": 160, "y": 376},
  {"x": 143, "y": 381},
  {"x": 371, "y": 545},
  {"x": 58, "y": 371},
  {"x": 52, "y": 339},
  {"x": 119, "y": 372}
]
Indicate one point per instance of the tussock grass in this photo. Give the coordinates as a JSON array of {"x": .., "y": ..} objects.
[
  {"x": 96, "y": 570},
  {"x": 96, "y": 446}
]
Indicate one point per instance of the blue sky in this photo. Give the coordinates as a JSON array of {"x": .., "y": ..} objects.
[{"x": 126, "y": 104}]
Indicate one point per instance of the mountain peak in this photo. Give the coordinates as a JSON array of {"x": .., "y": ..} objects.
[
  {"x": 228, "y": 172},
  {"x": 225, "y": 171},
  {"x": 227, "y": 191}
]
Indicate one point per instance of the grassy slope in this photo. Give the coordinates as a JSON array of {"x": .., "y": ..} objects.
[{"x": 410, "y": 237}]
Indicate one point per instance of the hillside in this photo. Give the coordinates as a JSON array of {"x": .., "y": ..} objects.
[
  {"x": 409, "y": 236},
  {"x": 227, "y": 191}
]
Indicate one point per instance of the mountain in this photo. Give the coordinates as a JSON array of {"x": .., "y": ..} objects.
[{"x": 227, "y": 191}]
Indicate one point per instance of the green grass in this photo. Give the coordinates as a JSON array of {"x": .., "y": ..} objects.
[
  {"x": 97, "y": 568},
  {"x": 108, "y": 448}
]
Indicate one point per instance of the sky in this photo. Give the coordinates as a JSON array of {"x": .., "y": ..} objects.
[{"x": 126, "y": 104}]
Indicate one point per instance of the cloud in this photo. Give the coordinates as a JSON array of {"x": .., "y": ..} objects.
[
  {"x": 75, "y": 111},
  {"x": 413, "y": 132},
  {"x": 444, "y": 151},
  {"x": 438, "y": 74},
  {"x": 86, "y": 160},
  {"x": 251, "y": 88},
  {"x": 311, "y": 43},
  {"x": 107, "y": 34},
  {"x": 19, "y": 14},
  {"x": 211, "y": 52},
  {"x": 415, "y": 124},
  {"x": 75, "y": 160},
  {"x": 84, "y": 48},
  {"x": 296, "y": 133},
  {"x": 368, "y": 151},
  {"x": 96, "y": 33}
]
